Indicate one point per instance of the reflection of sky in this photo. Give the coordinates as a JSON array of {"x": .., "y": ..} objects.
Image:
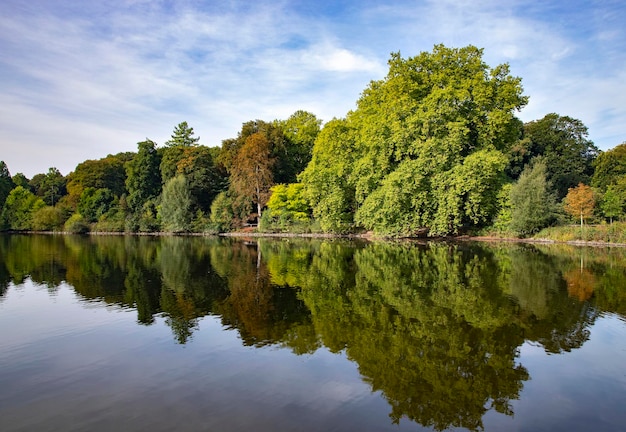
[
  {"x": 581, "y": 390},
  {"x": 67, "y": 362}
]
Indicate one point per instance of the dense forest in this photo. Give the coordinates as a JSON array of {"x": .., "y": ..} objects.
[{"x": 434, "y": 148}]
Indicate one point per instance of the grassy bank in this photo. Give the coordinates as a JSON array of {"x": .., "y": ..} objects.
[{"x": 605, "y": 233}]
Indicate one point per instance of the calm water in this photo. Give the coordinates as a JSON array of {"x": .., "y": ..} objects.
[{"x": 193, "y": 334}]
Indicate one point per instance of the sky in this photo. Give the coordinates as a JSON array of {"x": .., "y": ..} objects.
[{"x": 83, "y": 79}]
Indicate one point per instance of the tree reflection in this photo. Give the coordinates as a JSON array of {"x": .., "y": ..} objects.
[{"x": 435, "y": 327}]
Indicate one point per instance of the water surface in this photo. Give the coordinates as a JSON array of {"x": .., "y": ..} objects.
[{"x": 151, "y": 334}]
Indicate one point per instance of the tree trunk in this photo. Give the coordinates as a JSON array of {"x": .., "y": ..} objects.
[{"x": 581, "y": 226}]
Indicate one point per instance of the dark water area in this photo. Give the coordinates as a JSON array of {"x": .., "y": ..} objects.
[{"x": 210, "y": 334}]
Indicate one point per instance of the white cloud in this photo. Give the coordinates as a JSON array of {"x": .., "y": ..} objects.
[{"x": 107, "y": 77}]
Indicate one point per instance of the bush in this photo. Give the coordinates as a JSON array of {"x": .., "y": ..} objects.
[
  {"x": 76, "y": 224},
  {"x": 47, "y": 219}
]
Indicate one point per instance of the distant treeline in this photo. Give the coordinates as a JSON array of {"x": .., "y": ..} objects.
[{"x": 435, "y": 147}]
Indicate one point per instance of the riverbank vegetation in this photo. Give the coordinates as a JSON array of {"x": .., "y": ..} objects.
[{"x": 434, "y": 148}]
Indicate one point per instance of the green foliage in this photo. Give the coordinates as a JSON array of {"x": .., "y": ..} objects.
[
  {"x": 94, "y": 203},
  {"x": 612, "y": 204},
  {"x": 175, "y": 209},
  {"x": 300, "y": 130},
  {"x": 426, "y": 150},
  {"x": 197, "y": 164},
  {"x": 19, "y": 207},
  {"x": 326, "y": 178},
  {"x": 6, "y": 183},
  {"x": 20, "y": 179},
  {"x": 502, "y": 222},
  {"x": 182, "y": 136},
  {"x": 113, "y": 220},
  {"x": 51, "y": 187},
  {"x": 609, "y": 167},
  {"x": 144, "y": 179},
  {"x": 568, "y": 153},
  {"x": 48, "y": 218},
  {"x": 76, "y": 224},
  {"x": 533, "y": 204},
  {"x": 222, "y": 214},
  {"x": 288, "y": 201},
  {"x": 282, "y": 150},
  {"x": 107, "y": 173}
]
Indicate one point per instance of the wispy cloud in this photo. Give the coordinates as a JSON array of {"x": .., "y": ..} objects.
[{"x": 80, "y": 80}]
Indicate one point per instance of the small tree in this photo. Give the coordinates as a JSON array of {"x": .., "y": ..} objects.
[
  {"x": 580, "y": 201},
  {"x": 182, "y": 136},
  {"x": 532, "y": 202},
  {"x": 176, "y": 205},
  {"x": 612, "y": 204}
]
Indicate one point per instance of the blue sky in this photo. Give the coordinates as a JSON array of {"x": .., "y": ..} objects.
[{"x": 82, "y": 79}]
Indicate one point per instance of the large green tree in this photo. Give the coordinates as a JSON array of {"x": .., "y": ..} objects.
[{"x": 418, "y": 130}]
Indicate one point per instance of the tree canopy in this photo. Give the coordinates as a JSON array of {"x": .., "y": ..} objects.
[{"x": 421, "y": 137}]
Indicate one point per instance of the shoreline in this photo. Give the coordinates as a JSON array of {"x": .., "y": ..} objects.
[{"x": 365, "y": 237}]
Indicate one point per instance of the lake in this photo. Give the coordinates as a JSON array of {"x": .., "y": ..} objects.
[{"x": 108, "y": 333}]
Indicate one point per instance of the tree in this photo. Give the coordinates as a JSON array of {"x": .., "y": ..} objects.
[
  {"x": 95, "y": 203},
  {"x": 144, "y": 178},
  {"x": 284, "y": 169},
  {"x": 197, "y": 164},
  {"x": 20, "y": 179},
  {"x": 300, "y": 129},
  {"x": 612, "y": 203},
  {"x": 52, "y": 187},
  {"x": 580, "y": 201},
  {"x": 182, "y": 136},
  {"x": 6, "y": 183},
  {"x": 175, "y": 208},
  {"x": 326, "y": 179},
  {"x": 19, "y": 207},
  {"x": 222, "y": 214},
  {"x": 47, "y": 219},
  {"x": 568, "y": 153},
  {"x": 251, "y": 173},
  {"x": 415, "y": 129},
  {"x": 106, "y": 173},
  {"x": 533, "y": 204},
  {"x": 609, "y": 167}
]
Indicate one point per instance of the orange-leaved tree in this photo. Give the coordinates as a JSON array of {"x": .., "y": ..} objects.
[
  {"x": 251, "y": 172},
  {"x": 580, "y": 201}
]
